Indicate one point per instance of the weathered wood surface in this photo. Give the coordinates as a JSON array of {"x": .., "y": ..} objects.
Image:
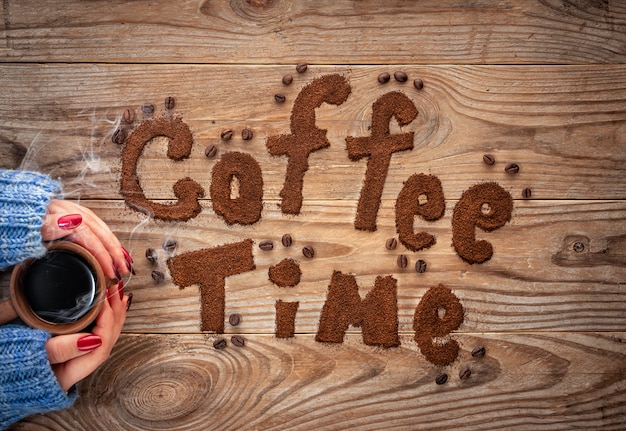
[
  {"x": 326, "y": 32},
  {"x": 539, "y": 83},
  {"x": 549, "y": 381},
  {"x": 564, "y": 125}
]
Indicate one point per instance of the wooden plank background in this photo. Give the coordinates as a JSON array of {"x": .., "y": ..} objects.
[{"x": 538, "y": 83}]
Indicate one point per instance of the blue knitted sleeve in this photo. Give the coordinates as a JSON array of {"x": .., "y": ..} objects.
[
  {"x": 24, "y": 198},
  {"x": 27, "y": 383}
]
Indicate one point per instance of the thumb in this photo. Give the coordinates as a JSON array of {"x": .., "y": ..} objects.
[
  {"x": 57, "y": 226},
  {"x": 63, "y": 348}
]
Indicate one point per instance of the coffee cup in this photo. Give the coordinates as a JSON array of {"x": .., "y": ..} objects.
[{"x": 61, "y": 292}]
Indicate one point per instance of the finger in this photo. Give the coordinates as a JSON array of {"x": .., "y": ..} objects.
[
  {"x": 56, "y": 226},
  {"x": 64, "y": 348}
]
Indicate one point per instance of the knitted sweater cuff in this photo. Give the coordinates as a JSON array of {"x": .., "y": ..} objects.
[
  {"x": 24, "y": 199},
  {"x": 27, "y": 383}
]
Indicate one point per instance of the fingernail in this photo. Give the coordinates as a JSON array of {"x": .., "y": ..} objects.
[
  {"x": 120, "y": 289},
  {"x": 130, "y": 267},
  {"x": 127, "y": 256},
  {"x": 89, "y": 342},
  {"x": 70, "y": 221},
  {"x": 130, "y": 301},
  {"x": 117, "y": 274}
]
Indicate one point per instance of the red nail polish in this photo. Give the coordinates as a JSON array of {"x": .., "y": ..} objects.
[
  {"x": 120, "y": 289},
  {"x": 130, "y": 268},
  {"x": 89, "y": 342},
  {"x": 130, "y": 300},
  {"x": 70, "y": 221},
  {"x": 117, "y": 274},
  {"x": 127, "y": 256}
]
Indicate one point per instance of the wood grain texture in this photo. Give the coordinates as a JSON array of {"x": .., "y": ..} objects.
[
  {"x": 525, "y": 286},
  {"x": 553, "y": 382},
  {"x": 564, "y": 125},
  {"x": 289, "y": 31}
]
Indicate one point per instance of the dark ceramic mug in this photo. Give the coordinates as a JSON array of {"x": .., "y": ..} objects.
[{"x": 62, "y": 292}]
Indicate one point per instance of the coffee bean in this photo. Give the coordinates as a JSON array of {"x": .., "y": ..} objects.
[
  {"x": 128, "y": 116},
  {"x": 302, "y": 67},
  {"x": 170, "y": 102},
  {"x": 287, "y": 240},
  {"x": 441, "y": 378},
  {"x": 247, "y": 134},
  {"x": 234, "y": 319},
  {"x": 308, "y": 251},
  {"x": 169, "y": 245},
  {"x": 266, "y": 245},
  {"x": 152, "y": 255},
  {"x": 210, "y": 151},
  {"x": 119, "y": 136},
  {"x": 280, "y": 98},
  {"x": 147, "y": 108},
  {"x": 418, "y": 83},
  {"x": 479, "y": 352},
  {"x": 511, "y": 168},
  {"x": 489, "y": 159},
  {"x": 465, "y": 373},
  {"x": 287, "y": 79},
  {"x": 237, "y": 341},
  {"x": 219, "y": 344},
  {"x": 384, "y": 77},
  {"x": 226, "y": 135},
  {"x": 157, "y": 276},
  {"x": 400, "y": 76},
  {"x": 579, "y": 246},
  {"x": 402, "y": 261},
  {"x": 527, "y": 193},
  {"x": 391, "y": 244},
  {"x": 420, "y": 266}
]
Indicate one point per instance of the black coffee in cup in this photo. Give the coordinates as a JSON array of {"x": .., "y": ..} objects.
[{"x": 60, "y": 287}]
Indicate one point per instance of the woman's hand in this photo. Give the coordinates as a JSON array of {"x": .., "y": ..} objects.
[
  {"x": 73, "y": 357},
  {"x": 66, "y": 219}
]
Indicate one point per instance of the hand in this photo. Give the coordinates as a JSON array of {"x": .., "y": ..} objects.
[
  {"x": 72, "y": 359},
  {"x": 79, "y": 224}
]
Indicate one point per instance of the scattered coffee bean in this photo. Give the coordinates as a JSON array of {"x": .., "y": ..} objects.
[
  {"x": 441, "y": 378},
  {"x": 158, "y": 276},
  {"x": 226, "y": 135},
  {"x": 402, "y": 261},
  {"x": 287, "y": 79},
  {"x": 479, "y": 352},
  {"x": 384, "y": 78},
  {"x": 210, "y": 151},
  {"x": 119, "y": 136},
  {"x": 219, "y": 344},
  {"x": 489, "y": 159},
  {"x": 420, "y": 266},
  {"x": 579, "y": 246},
  {"x": 169, "y": 245},
  {"x": 237, "y": 341},
  {"x": 170, "y": 102},
  {"x": 247, "y": 134},
  {"x": 391, "y": 244},
  {"x": 266, "y": 245},
  {"x": 465, "y": 373},
  {"x": 308, "y": 251},
  {"x": 527, "y": 193},
  {"x": 400, "y": 76},
  {"x": 152, "y": 255},
  {"x": 302, "y": 67},
  {"x": 418, "y": 83},
  {"x": 128, "y": 116},
  {"x": 280, "y": 98},
  {"x": 234, "y": 319},
  {"x": 511, "y": 168},
  {"x": 147, "y": 108},
  {"x": 287, "y": 240}
]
